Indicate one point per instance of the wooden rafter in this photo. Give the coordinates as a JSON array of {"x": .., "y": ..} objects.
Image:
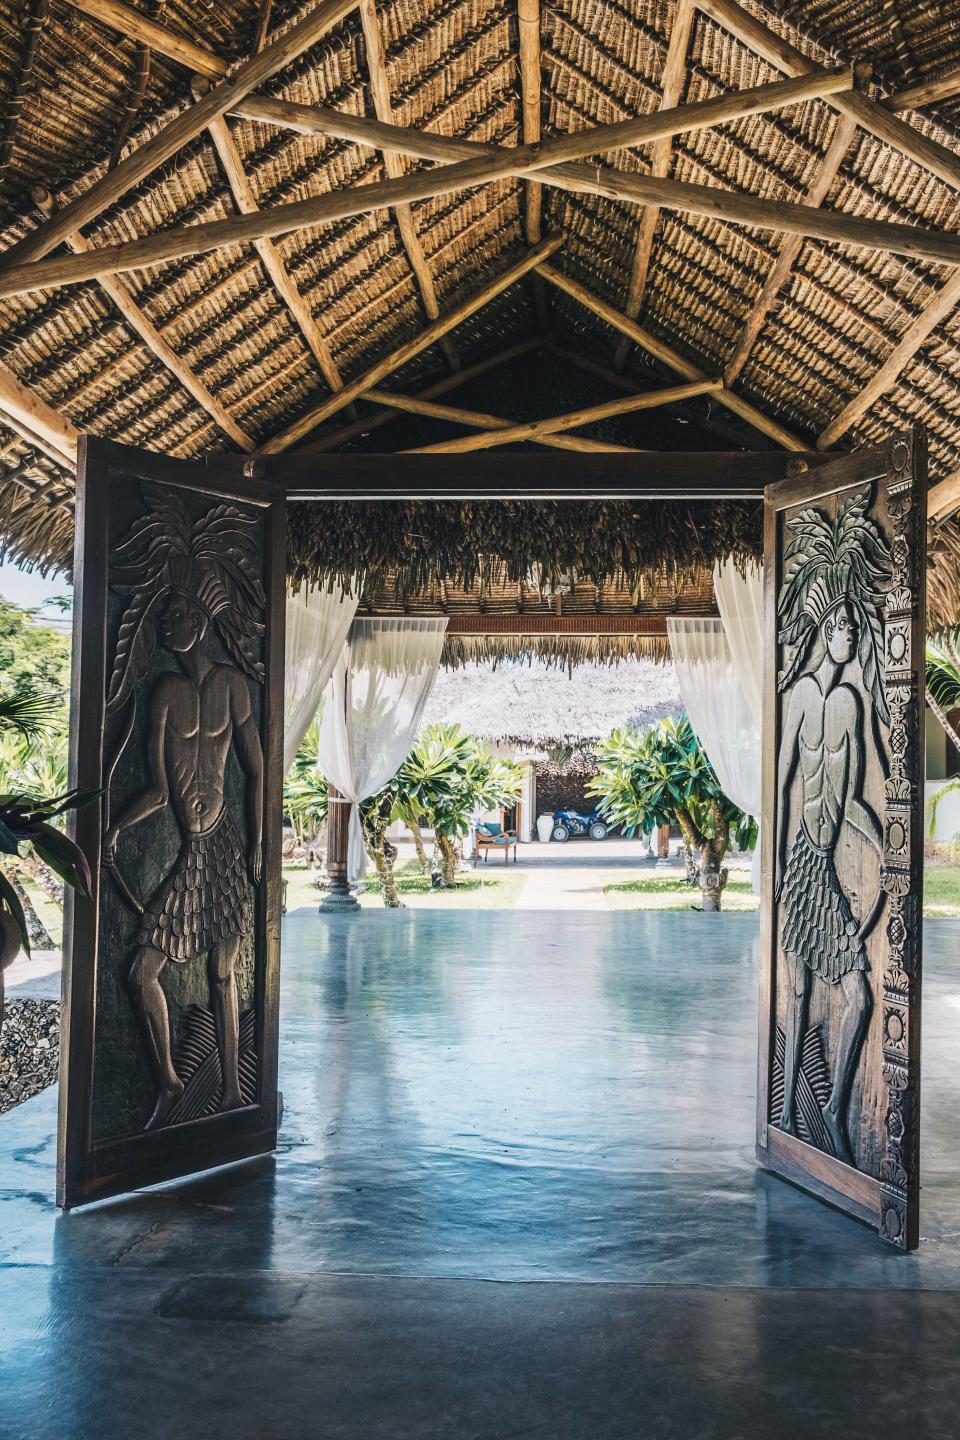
[
  {"x": 180, "y": 131},
  {"x": 827, "y": 172},
  {"x": 411, "y": 348},
  {"x": 587, "y": 415},
  {"x": 916, "y": 334},
  {"x": 279, "y": 276},
  {"x": 395, "y": 168},
  {"x": 528, "y": 17},
  {"x": 660, "y": 350},
  {"x": 661, "y": 159},
  {"x": 416, "y": 405},
  {"x": 36, "y": 14},
  {"x": 380, "y": 417},
  {"x": 867, "y": 113},
  {"x": 145, "y": 329},
  {"x": 944, "y": 499},
  {"x": 37, "y": 421},
  {"x": 137, "y": 26},
  {"x": 927, "y": 92}
]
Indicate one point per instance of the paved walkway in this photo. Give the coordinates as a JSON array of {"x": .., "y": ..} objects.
[{"x": 572, "y": 876}]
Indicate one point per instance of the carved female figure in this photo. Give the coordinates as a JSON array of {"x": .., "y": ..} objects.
[{"x": 829, "y": 605}]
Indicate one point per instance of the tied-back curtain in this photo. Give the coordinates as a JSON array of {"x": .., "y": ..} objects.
[
  {"x": 373, "y": 712},
  {"x": 317, "y": 623},
  {"x": 718, "y": 708},
  {"x": 740, "y": 602}
]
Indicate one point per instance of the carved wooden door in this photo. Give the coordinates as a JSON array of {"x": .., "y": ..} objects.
[
  {"x": 172, "y": 968},
  {"x": 839, "y": 1073}
]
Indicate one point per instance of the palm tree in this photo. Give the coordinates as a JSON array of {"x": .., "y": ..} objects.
[{"x": 661, "y": 776}]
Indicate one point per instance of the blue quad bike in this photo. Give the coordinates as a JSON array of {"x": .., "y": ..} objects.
[{"x": 570, "y": 824}]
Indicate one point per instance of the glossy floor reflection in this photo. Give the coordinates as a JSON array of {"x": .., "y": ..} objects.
[{"x": 485, "y": 1096}]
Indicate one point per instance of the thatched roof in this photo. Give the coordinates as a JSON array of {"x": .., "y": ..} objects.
[
  {"x": 239, "y": 346},
  {"x": 538, "y": 705}
]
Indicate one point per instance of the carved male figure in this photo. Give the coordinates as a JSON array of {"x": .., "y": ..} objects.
[
  {"x": 830, "y": 601},
  {"x": 187, "y": 578},
  {"x": 203, "y": 905}
]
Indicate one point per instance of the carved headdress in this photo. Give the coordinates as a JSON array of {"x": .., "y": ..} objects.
[
  {"x": 829, "y": 563},
  {"x": 211, "y": 560}
]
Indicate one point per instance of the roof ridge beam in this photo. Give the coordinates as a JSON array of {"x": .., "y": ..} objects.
[{"x": 179, "y": 131}]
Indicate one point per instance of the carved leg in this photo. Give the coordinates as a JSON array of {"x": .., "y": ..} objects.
[
  {"x": 853, "y": 1027},
  {"x": 221, "y": 968},
  {"x": 796, "y": 1025},
  {"x": 150, "y": 1006}
]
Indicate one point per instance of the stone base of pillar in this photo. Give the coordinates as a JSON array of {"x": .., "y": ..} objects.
[{"x": 339, "y": 900}]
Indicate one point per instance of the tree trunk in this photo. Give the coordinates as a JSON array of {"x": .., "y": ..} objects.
[
  {"x": 713, "y": 874},
  {"x": 382, "y": 854},
  {"x": 693, "y": 874},
  {"x": 449, "y": 856},
  {"x": 43, "y": 877},
  {"x": 40, "y": 938},
  {"x": 414, "y": 828}
]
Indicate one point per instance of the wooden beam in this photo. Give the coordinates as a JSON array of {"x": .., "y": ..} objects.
[
  {"x": 27, "y": 411},
  {"x": 915, "y": 335},
  {"x": 944, "y": 498},
  {"x": 528, "y": 17},
  {"x": 395, "y": 168},
  {"x": 674, "y": 72},
  {"x": 411, "y": 348},
  {"x": 125, "y": 20},
  {"x": 660, "y": 350},
  {"x": 150, "y": 335},
  {"x": 827, "y": 172},
  {"x": 572, "y": 420},
  {"x": 927, "y": 92},
  {"x": 246, "y": 203},
  {"x": 416, "y": 405},
  {"x": 867, "y": 113},
  {"x": 178, "y": 132},
  {"x": 440, "y": 387}
]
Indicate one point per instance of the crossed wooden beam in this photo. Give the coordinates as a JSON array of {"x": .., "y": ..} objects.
[{"x": 460, "y": 164}]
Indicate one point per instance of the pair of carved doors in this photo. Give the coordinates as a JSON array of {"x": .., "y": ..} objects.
[{"x": 172, "y": 968}]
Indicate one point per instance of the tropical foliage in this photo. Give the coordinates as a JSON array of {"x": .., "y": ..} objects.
[
  {"x": 662, "y": 776},
  {"x": 943, "y": 695}
]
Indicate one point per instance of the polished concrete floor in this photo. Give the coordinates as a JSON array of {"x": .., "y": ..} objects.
[{"x": 473, "y": 1098}]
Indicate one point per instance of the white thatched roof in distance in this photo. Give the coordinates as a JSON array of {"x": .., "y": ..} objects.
[{"x": 538, "y": 705}]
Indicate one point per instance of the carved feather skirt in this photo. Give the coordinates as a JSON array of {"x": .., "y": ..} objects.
[
  {"x": 205, "y": 899},
  {"x": 818, "y": 925}
]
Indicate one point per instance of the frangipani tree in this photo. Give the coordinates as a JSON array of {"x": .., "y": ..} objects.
[{"x": 662, "y": 776}]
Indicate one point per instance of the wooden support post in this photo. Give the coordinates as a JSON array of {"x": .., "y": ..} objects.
[
  {"x": 144, "y": 328},
  {"x": 338, "y": 897},
  {"x": 427, "y": 337},
  {"x": 660, "y": 350},
  {"x": 536, "y": 429},
  {"x": 660, "y": 162},
  {"x": 395, "y": 168},
  {"x": 180, "y": 131}
]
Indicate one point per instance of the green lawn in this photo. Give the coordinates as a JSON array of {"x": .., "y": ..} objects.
[
  {"x": 494, "y": 890},
  {"x": 670, "y": 892},
  {"x": 941, "y": 893}
]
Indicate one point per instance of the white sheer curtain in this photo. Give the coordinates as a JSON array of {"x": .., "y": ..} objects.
[
  {"x": 373, "y": 711},
  {"x": 718, "y": 708},
  {"x": 740, "y": 602},
  {"x": 317, "y": 622}
]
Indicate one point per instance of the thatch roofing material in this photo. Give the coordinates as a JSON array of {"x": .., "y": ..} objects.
[
  {"x": 452, "y": 66},
  {"x": 538, "y": 705}
]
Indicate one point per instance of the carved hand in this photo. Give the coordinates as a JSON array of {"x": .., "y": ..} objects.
[
  {"x": 256, "y": 863},
  {"x": 110, "y": 845}
]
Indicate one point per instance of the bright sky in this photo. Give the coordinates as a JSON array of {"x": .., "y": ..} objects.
[{"x": 29, "y": 588}]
